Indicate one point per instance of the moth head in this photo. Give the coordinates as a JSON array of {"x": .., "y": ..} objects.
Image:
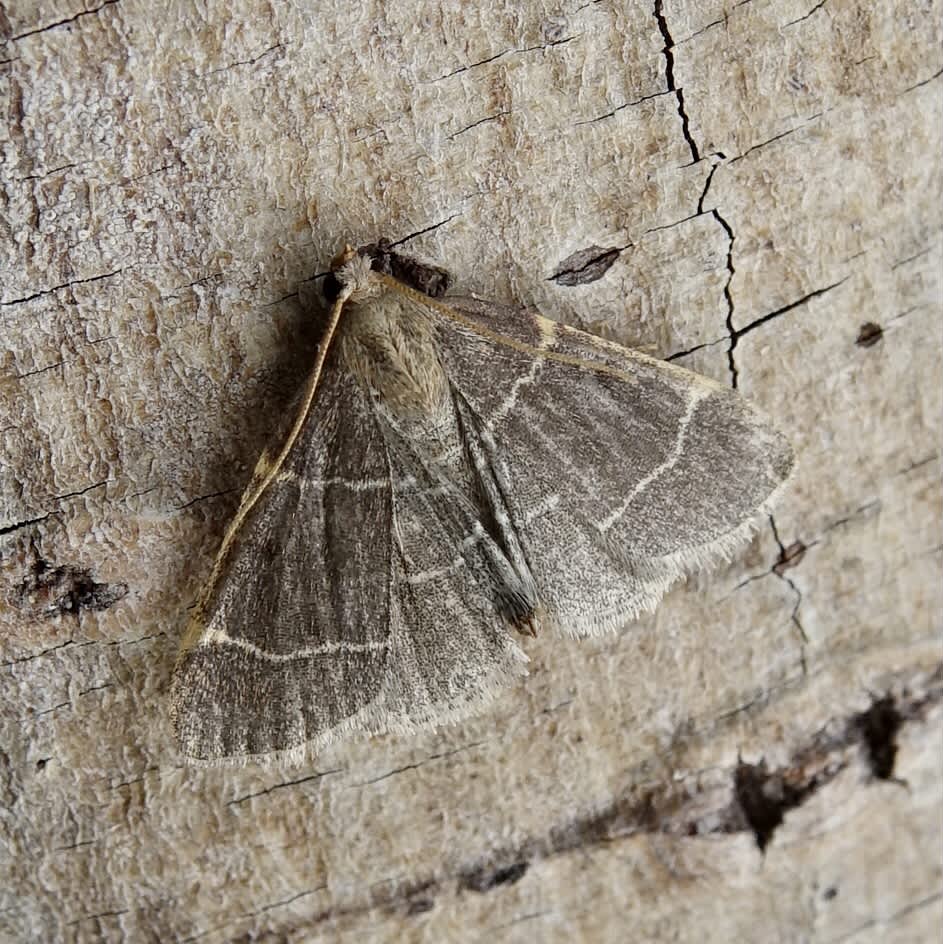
[
  {"x": 356, "y": 275},
  {"x": 383, "y": 258}
]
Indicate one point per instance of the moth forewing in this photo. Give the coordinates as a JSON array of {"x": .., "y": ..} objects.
[{"x": 617, "y": 472}]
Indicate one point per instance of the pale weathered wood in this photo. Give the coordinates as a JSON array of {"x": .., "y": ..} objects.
[{"x": 767, "y": 177}]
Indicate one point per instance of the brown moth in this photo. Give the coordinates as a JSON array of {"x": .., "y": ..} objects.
[{"x": 457, "y": 473}]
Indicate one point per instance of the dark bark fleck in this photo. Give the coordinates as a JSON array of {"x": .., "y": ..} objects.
[
  {"x": 879, "y": 726},
  {"x": 789, "y": 557},
  {"x": 869, "y": 335},
  {"x": 50, "y": 591},
  {"x": 420, "y": 906},
  {"x": 484, "y": 879},
  {"x": 765, "y": 797},
  {"x": 586, "y": 265}
]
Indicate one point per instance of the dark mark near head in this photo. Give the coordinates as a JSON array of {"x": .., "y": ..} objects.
[
  {"x": 483, "y": 879},
  {"x": 869, "y": 335},
  {"x": 586, "y": 265},
  {"x": 429, "y": 279}
]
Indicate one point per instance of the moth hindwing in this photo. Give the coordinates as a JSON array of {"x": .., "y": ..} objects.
[{"x": 458, "y": 473}]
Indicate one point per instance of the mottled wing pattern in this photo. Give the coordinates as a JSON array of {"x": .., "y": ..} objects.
[
  {"x": 618, "y": 471},
  {"x": 292, "y": 640}
]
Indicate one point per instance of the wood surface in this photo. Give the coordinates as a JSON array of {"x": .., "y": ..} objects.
[{"x": 751, "y": 189}]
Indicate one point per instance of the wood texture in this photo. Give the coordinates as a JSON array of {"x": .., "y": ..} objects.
[{"x": 753, "y": 190}]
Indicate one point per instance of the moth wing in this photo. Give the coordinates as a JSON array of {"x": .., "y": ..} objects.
[
  {"x": 618, "y": 471},
  {"x": 291, "y": 643},
  {"x": 454, "y": 598}
]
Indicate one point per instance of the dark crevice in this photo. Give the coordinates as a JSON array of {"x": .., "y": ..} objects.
[
  {"x": 242, "y": 62},
  {"x": 422, "y": 232},
  {"x": 670, "y": 78},
  {"x": 908, "y": 311},
  {"x": 923, "y": 82},
  {"x": 281, "y": 786},
  {"x": 721, "y": 22},
  {"x": 858, "y": 512},
  {"x": 674, "y": 223},
  {"x": 618, "y": 108},
  {"x": 52, "y": 708},
  {"x": 39, "y": 370},
  {"x": 520, "y": 919},
  {"x": 66, "y": 22},
  {"x": 775, "y": 137},
  {"x": 919, "y": 464},
  {"x": 814, "y": 9},
  {"x": 419, "y": 763},
  {"x": 100, "y": 914},
  {"x": 37, "y": 655},
  {"x": 75, "y": 845},
  {"x": 500, "y": 55},
  {"x": 133, "y": 780},
  {"x": 82, "y": 645},
  {"x": 887, "y": 921},
  {"x": 150, "y": 173},
  {"x": 475, "y": 124},
  {"x": 787, "y": 308},
  {"x": 388, "y": 774},
  {"x": 10, "y": 528},
  {"x": 284, "y": 901},
  {"x": 56, "y": 288},
  {"x": 790, "y": 557},
  {"x": 916, "y": 255},
  {"x": 203, "y": 498},
  {"x": 420, "y": 905},
  {"x": 691, "y": 350},
  {"x": 54, "y": 170},
  {"x": 81, "y": 491},
  {"x": 728, "y": 298},
  {"x": 720, "y": 157}
]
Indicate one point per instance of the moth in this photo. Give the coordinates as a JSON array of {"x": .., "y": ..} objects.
[{"x": 455, "y": 475}]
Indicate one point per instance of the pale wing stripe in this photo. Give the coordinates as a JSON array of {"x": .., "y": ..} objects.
[
  {"x": 477, "y": 534},
  {"x": 355, "y": 485},
  {"x": 696, "y": 395},
  {"x": 218, "y": 637},
  {"x": 427, "y": 575},
  {"x": 547, "y": 336}
]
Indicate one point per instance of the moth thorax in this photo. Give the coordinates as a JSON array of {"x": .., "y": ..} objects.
[{"x": 390, "y": 347}]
